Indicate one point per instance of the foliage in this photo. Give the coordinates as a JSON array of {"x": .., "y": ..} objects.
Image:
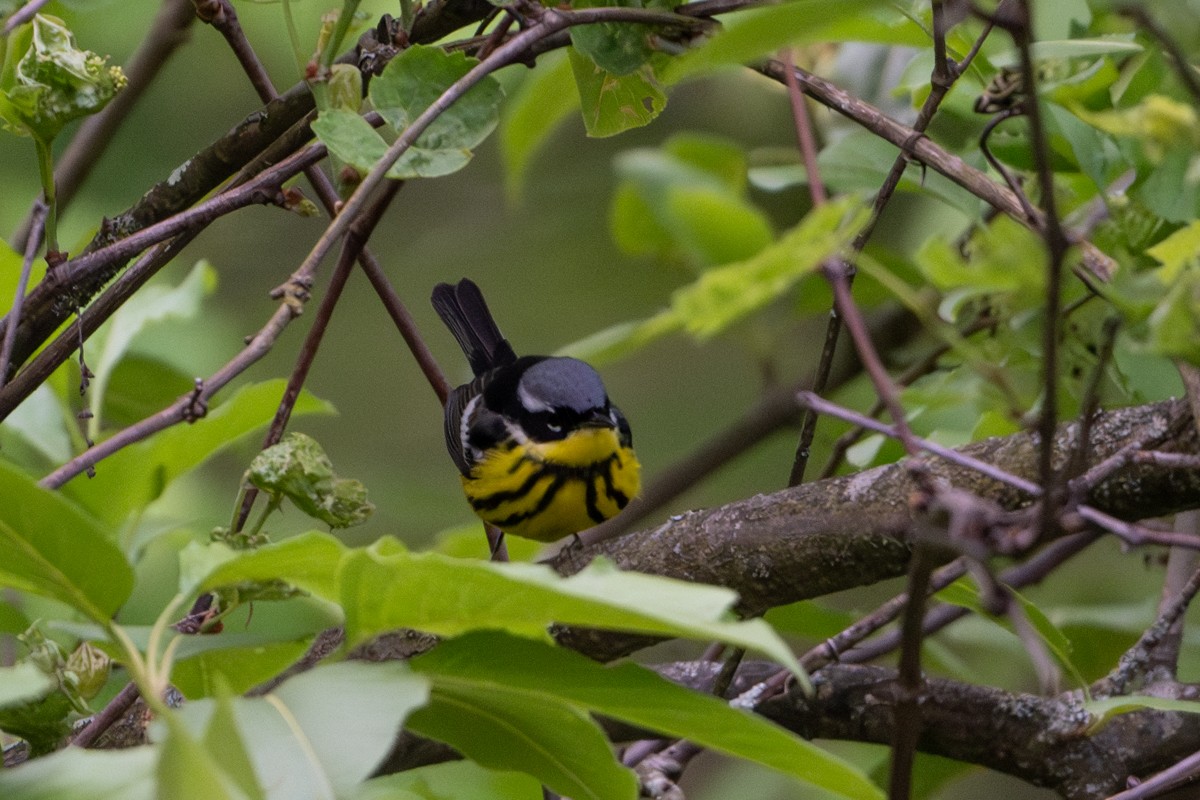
[{"x": 100, "y": 572}]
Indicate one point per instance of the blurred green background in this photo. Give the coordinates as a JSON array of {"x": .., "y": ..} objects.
[
  {"x": 552, "y": 275},
  {"x": 547, "y": 266}
]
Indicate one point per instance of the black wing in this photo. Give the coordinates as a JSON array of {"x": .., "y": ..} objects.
[{"x": 465, "y": 313}]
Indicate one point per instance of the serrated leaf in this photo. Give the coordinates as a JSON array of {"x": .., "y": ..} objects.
[
  {"x": 130, "y": 479},
  {"x": 614, "y": 104},
  {"x": 53, "y": 549},
  {"x": 78, "y": 774},
  {"x": 521, "y": 674}
]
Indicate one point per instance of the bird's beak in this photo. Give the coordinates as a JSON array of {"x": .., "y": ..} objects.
[{"x": 598, "y": 419}]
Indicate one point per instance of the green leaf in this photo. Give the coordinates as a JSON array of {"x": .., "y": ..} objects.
[
  {"x": 618, "y": 48},
  {"x": 297, "y": 468},
  {"x": 1179, "y": 250},
  {"x": 724, "y": 295},
  {"x": 686, "y": 201},
  {"x": 130, "y": 479},
  {"x": 323, "y": 732},
  {"x": 309, "y": 561},
  {"x": 614, "y": 104},
  {"x": 963, "y": 593},
  {"x": 22, "y": 683},
  {"x": 1172, "y": 189},
  {"x": 1103, "y": 711},
  {"x": 53, "y": 549},
  {"x": 623, "y": 338},
  {"x": 187, "y": 770},
  {"x": 1004, "y": 257},
  {"x": 78, "y": 774},
  {"x": 53, "y": 82},
  {"x": 859, "y": 162},
  {"x": 385, "y": 587},
  {"x": 704, "y": 225},
  {"x": 455, "y": 779},
  {"x": 224, "y": 741},
  {"x": 502, "y": 728},
  {"x": 545, "y": 98},
  {"x": 409, "y": 85},
  {"x": 258, "y": 643},
  {"x": 519, "y": 673},
  {"x": 151, "y": 305},
  {"x": 1175, "y": 324},
  {"x": 747, "y": 36},
  {"x": 39, "y": 422},
  {"x": 352, "y": 139}
]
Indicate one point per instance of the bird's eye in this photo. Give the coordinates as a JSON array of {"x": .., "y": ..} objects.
[{"x": 553, "y": 428}]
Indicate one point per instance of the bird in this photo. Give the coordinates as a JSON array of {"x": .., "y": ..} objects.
[{"x": 542, "y": 451}]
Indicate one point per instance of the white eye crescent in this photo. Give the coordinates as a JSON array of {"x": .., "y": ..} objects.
[{"x": 552, "y": 427}]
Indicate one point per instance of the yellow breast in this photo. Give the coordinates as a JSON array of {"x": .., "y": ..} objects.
[{"x": 548, "y": 490}]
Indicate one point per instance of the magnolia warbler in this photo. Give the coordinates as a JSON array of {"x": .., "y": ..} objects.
[{"x": 542, "y": 451}]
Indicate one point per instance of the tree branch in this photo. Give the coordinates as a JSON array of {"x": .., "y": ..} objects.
[{"x": 824, "y": 537}]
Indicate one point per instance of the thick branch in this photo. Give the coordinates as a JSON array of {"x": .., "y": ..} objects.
[
  {"x": 837, "y": 534},
  {"x": 1041, "y": 740}
]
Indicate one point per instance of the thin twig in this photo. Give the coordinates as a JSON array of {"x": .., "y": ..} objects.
[
  {"x": 1048, "y": 559},
  {"x": 547, "y": 22},
  {"x": 918, "y": 369},
  {"x": 1138, "y": 535},
  {"x": 184, "y": 224},
  {"x": 1179, "y": 59},
  {"x": 23, "y": 15},
  {"x": 885, "y": 387},
  {"x": 187, "y": 408},
  {"x": 802, "y": 122},
  {"x": 356, "y": 239},
  {"x": 1164, "y": 659},
  {"x": 167, "y": 33},
  {"x": 830, "y": 650},
  {"x": 909, "y": 681},
  {"x": 1183, "y": 772},
  {"x": 991, "y": 470},
  {"x": 1132, "y": 663},
  {"x": 104, "y": 720},
  {"x": 926, "y": 152},
  {"x": 1020, "y": 28},
  {"x": 941, "y": 81},
  {"x": 31, "y": 248}
]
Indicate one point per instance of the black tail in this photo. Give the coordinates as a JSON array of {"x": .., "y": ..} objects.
[{"x": 466, "y": 314}]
